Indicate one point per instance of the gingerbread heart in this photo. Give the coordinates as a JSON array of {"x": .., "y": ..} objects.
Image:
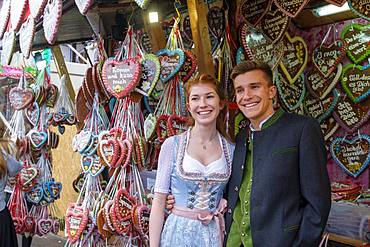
[
  {"x": 36, "y": 7},
  {"x": 189, "y": 67},
  {"x": 4, "y": 17},
  {"x": 326, "y": 58},
  {"x": 258, "y": 47},
  {"x": 8, "y": 44},
  {"x": 20, "y": 98},
  {"x": 291, "y": 7},
  {"x": 51, "y": 97},
  {"x": 321, "y": 109},
  {"x": 125, "y": 155},
  {"x": 51, "y": 20},
  {"x": 292, "y": 95},
  {"x": 55, "y": 188},
  {"x": 108, "y": 150},
  {"x": 338, "y": 3},
  {"x": 27, "y": 177},
  {"x": 186, "y": 32},
  {"x": 274, "y": 24},
  {"x": 355, "y": 37},
  {"x": 176, "y": 124},
  {"x": 253, "y": 11},
  {"x": 17, "y": 10},
  {"x": 161, "y": 127},
  {"x": 352, "y": 155},
  {"x": 294, "y": 58},
  {"x": 329, "y": 126},
  {"x": 29, "y": 223},
  {"x": 84, "y": 5},
  {"x": 124, "y": 204},
  {"x": 18, "y": 224},
  {"x": 44, "y": 226},
  {"x": 149, "y": 126},
  {"x": 144, "y": 40},
  {"x": 150, "y": 69},
  {"x": 97, "y": 166},
  {"x": 75, "y": 221},
  {"x": 35, "y": 194},
  {"x": 86, "y": 162},
  {"x": 360, "y": 8},
  {"x": 26, "y": 35},
  {"x": 356, "y": 82},
  {"x": 216, "y": 21},
  {"x": 121, "y": 77},
  {"x": 351, "y": 116},
  {"x": 171, "y": 62},
  {"x": 142, "y": 3},
  {"x": 318, "y": 85},
  {"x": 83, "y": 140},
  {"x": 140, "y": 219},
  {"x": 37, "y": 138}
]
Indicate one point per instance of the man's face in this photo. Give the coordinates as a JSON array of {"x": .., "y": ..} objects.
[{"x": 254, "y": 95}]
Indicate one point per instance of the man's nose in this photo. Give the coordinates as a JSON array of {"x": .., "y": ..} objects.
[{"x": 247, "y": 94}]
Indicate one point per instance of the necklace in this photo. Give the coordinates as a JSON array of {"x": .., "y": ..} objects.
[{"x": 204, "y": 146}]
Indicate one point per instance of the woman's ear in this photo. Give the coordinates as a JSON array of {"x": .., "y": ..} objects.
[{"x": 222, "y": 104}]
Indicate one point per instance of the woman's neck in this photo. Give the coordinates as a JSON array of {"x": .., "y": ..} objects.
[{"x": 204, "y": 133}]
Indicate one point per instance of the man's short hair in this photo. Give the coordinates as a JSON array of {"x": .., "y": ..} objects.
[{"x": 247, "y": 66}]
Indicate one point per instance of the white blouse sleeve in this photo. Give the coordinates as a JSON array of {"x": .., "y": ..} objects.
[{"x": 165, "y": 164}]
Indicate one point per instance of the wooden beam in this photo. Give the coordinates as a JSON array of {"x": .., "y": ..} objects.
[
  {"x": 62, "y": 69},
  {"x": 199, "y": 28},
  {"x": 155, "y": 32}
]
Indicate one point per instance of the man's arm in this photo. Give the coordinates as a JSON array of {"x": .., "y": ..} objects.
[{"x": 315, "y": 185}]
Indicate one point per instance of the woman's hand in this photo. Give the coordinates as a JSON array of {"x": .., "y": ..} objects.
[{"x": 170, "y": 201}]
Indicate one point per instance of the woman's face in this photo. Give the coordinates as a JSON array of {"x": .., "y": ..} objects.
[{"x": 204, "y": 104}]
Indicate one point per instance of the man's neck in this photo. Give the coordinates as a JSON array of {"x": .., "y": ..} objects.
[{"x": 257, "y": 125}]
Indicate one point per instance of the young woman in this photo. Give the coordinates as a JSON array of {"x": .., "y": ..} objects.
[
  {"x": 8, "y": 167},
  {"x": 194, "y": 166}
]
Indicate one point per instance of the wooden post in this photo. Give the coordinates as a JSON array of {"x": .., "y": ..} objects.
[
  {"x": 62, "y": 69},
  {"x": 199, "y": 28},
  {"x": 155, "y": 32}
]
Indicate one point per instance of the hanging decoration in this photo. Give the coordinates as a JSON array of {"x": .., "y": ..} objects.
[
  {"x": 318, "y": 85},
  {"x": 360, "y": 8},
  {"x": 84, "y": 5},
  {"x": 274, "y": 24},
  {"x": 51, "y": 19},
  {"x": 36, "y": 8},
  {"x": 355, "y": 37},
  {"x": 321, "y": 109},
  {"x": 186, "y": 32},
  {"x": 216, "y": 24},
  {"x": 291, "y": 7},
  {"x": 17, "y": 11},
  {"x": 149, "y": 75},
  {"x": 240, "y": 56},
  {"x": 295, "y": 57},
  {"x": 4, "y": 17},
  {"x": 349, "y": 115},
  {"x": 253, "y": 11},
  {"x": 329, "y": 126},
  {"x": 352, "y": 155},
  {"x": 142, "y": 3},
  {"x": 171, "y": 62},
  {"x": 26, "y": 35},
  {"x": 8, "y": 45},
  {"x": 356, "y": 82}
]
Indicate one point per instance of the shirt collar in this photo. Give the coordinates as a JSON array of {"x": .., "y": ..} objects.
[{"x": 261, "y": 123}]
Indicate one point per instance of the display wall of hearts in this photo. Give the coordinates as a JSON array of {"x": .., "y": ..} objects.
[{"x": 337, "y": 82}]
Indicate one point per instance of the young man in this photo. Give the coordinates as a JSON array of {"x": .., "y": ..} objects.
[{"x": 279, "y": 192}]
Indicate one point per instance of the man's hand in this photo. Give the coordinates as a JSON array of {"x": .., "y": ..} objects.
[{"x": 170, "y": 201}]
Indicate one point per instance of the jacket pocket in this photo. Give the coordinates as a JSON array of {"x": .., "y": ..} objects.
[{"x": 284, "y": 150}]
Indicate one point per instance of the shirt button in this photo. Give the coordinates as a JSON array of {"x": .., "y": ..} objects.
[
  {"x": 246, "y": 202},
  {"x": 243, "y": 223},
  {"x": 243, "y": 234},
  {"x": 236, "y": 188},
  {"x": 246, "y": 212},
  {"x": 251, "y": 180},
  {"x": 248, "y": 190}
]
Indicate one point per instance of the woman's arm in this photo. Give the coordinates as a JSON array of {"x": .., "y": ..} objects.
[{"x": 156, "y": 219}]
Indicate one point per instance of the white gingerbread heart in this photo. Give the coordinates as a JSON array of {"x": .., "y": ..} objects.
[
  {"x": 84, "y": 5},
  {"x": 36, "y": 7},
  {"x": 17, "y": 10},
  {"x": 52, "y": 16},
  {"x": 4, "y": 16},
  {"x": 27, "y": 32},
  {"x": 8, "y": 47}
]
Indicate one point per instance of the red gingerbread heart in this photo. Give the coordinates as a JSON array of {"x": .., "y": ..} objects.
[
  {"x": 122, "y": 213},
  {"x": 76, "y": 221},
  {"x": 20, "y": 98},
  {"x": 176, "y": 124}
]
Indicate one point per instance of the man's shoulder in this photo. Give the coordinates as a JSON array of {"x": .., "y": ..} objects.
[{"x": 294, "y": 118}]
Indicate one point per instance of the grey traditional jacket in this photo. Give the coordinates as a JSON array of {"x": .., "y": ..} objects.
[{"x": 290, "y": 196}]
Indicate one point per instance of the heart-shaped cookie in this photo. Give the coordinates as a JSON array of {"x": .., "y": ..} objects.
[
  {"x": 171, "y": 62},
  {"x": 33, "y": 114},
  {"x": 258, "y": 47},
  {"x": 176, "y": 124},
  {"x": 318, "y": 85},
  {"x": 125, "y": 153},
  {"x": 36, "y": 8},
  {"x": 360, "y": 8},
  {"x": 356, "y": 39},
  {"x": 292, "y": 95},
  {"x": 121, "y": 77},
  {"x": 321, "y": 109},
  {"x": 140, "y": 219},
  {"x": 45, "y": 226},
  {"x": 108, "y": 150},
  {"x": 17, "y": 11},
  {"x": 86, "y": 162},
  {"x": 291, "y": 7},
  {"x": 351, "y": 116},
  {"x": 76, "y": 221},
  {"x": 55, "y": 188},
  {"x": 123, "y": 207},
  {"x": 161, "y": 127},
  {"x": 326, "y": 58},
  {"x": 253, "y": 11},
  {"x": 8, "y": 44},
  {"x": 274, "y": 24},
  {"x": 150, "y": 69},
  {"x": 97, "y": 166},
  {"x": 216, "y": 21},
  {"x": 84, "y": 5},
  {"x": 356, "y": 82},
  {"x": 338, "y": 3},
  {"x": 189, "y": 67},
  {"x": 26, "y": 35},
  {"x": 4, "y": 16},
  {"x": 35, "y": 194},
  {"x": 51, "y": 20},
  {"x": 186, "y": 33},
  {"x": 294, "y": 58},
  {"x": 352, "y": 155},
  {"x": 20, "y": 98},
  {"x": 37, "y": 138},
  {"x": 51, "y": 98},
  {"x": 149, "y": 126},
  {"x": 29, "y": 223},
  {"x": 329, "y": 126},
  {"x": 27, "y": 177}
]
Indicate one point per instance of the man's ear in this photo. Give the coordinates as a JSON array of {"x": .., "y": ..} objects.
[{"x": 272, "y": 92}]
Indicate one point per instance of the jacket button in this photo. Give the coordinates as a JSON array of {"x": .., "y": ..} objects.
[
  {"x": 229, "y": 210},
  {"x": 236, "y": 188}
]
